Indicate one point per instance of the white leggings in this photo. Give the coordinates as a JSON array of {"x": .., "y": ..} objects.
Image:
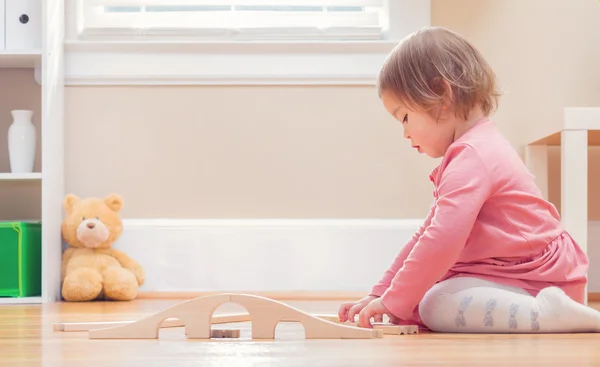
[{"x": 473, "y": 305}]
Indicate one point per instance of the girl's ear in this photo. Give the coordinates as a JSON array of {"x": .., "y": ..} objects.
[
  {"x": 447, "y": 95},
  {"x": 443, "y": 90},
  {"x": 441, "y": 110}
]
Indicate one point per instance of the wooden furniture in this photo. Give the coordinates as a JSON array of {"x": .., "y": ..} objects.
[
  {"x": 580, "y": 130},
  {"x": 37, "y": 196}
]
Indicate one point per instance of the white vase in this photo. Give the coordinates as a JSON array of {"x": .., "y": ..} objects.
[{"x": 21, "y": 142}]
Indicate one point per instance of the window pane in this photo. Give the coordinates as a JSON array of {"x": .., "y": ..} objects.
[
  {"x": 122, "y": 9},
  {"x": 255, "y": 19}
]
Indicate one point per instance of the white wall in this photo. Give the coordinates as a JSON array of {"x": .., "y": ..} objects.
[{"x": 275, "y": 255}]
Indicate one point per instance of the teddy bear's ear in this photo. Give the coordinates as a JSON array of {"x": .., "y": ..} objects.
[
  {"x": 69, "y": 201},
  {"x": 114, "y": 201}
]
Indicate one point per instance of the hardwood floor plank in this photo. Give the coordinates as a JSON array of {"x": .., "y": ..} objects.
[{"x": 27, "y": 338}]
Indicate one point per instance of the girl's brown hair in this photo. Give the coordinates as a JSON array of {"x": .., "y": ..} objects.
[{"x": 422, "y": 66}]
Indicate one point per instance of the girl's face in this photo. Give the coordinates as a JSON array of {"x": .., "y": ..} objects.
[{"x": 426, "y": 134}]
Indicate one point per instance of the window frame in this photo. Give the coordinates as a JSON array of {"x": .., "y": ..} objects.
[{"x": 281, "y": 62}]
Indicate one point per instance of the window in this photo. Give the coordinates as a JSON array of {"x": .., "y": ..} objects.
[
  {"x": 234, "y": 42},
  {"x": 233, "y": 19}
]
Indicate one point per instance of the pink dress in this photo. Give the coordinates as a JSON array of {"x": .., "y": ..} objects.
[{"x": 488, "y": 220}]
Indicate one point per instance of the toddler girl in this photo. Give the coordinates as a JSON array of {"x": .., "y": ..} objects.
[{"x": 492, "y": 255}]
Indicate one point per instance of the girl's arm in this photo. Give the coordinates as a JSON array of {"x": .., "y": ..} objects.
[
  {"x": 389, "y": 274},
  {"x": 464, "y": 187}
]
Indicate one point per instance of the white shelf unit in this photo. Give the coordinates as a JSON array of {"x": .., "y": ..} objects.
[
  {"x": 20, "y": 301},
  {"x": 6, "y": 176},
  {"x": 20, "y": 59},
  {"x": 34, "y": 79}
]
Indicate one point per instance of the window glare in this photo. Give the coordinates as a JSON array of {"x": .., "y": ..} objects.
[{"x": 134, "y": 9}]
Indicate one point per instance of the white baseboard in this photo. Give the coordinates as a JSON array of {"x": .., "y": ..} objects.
[{"x": 274, "y": 255}]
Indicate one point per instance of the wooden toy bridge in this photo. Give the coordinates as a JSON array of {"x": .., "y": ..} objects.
[{"x": 264, "y": 313}]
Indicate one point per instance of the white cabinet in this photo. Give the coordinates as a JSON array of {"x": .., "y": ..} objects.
[
  {"x": 2, "y": 24},
  {"x": 23, "y": 24}
]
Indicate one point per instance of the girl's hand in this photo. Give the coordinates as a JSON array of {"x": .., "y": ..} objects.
[
  {"x": 376, "y": 310},
  {"x": 347, "y": 311}
]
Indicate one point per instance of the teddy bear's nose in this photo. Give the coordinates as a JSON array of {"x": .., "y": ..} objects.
[{"x": 91, "y": 225}]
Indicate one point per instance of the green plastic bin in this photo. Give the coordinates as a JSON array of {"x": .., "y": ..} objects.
[{"x": 20, "y": 259}]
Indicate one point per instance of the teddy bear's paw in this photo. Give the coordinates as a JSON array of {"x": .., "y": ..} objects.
[
  {"x": 83, "y": 284},
  {"x": 119, "y": 284},
  {"x": 140, "y": 276}
]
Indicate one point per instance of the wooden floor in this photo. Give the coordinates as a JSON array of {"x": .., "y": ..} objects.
[{"x": 27, "y": 339}]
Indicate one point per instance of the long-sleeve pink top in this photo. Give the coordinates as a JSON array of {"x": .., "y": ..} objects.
[{"x": 489, "y": 220}]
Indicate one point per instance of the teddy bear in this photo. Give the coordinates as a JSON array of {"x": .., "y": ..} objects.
[{"x": 91, "y": 268}]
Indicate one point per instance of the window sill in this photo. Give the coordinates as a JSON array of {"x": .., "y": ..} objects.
[{"x": 224, "y": 63}]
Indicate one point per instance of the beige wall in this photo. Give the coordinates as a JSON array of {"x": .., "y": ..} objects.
[
  {"x": 243, "y": 152},
  {"x": 321, "y": 151}
]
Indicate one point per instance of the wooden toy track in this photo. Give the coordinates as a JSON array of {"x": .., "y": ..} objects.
[{"x": 264, "y": 313}]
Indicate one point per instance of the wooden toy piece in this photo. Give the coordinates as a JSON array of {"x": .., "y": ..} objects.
[
  {"x": 391, "y": 329},
  {"x": 267, "y": 313},
  {"x": 167, "y": 323},
  {"x": 87, "y": 326},
  {"x": 264, "y": 314},
  {"x": 195, "y": 314},
  {"x": 235, "y": 333},
  {"x": 230, "y": 318},
  {"x": 328, "y": 317}
]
